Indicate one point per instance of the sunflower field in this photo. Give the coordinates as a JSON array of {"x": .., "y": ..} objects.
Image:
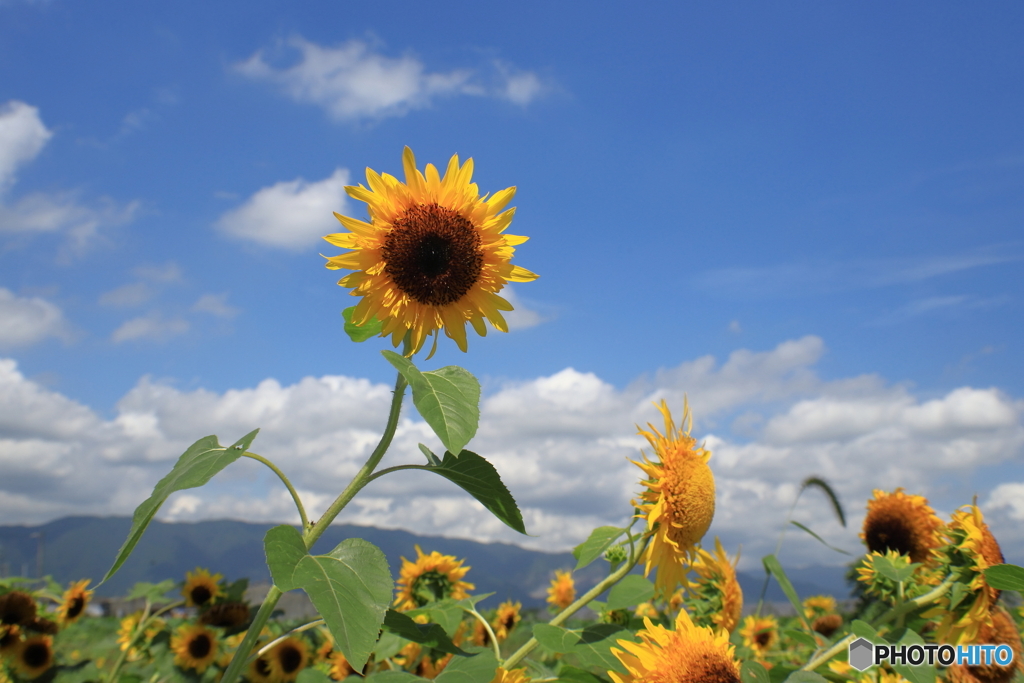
[{"x": 431, "y": 257}]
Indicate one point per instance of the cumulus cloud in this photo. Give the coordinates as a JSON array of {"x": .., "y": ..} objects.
[
  {"x": 27, "y": 320},
  {"x": 353, "y": 81},
  {"x": 153, "y": 327},
  {"x": 216, "y": 305},
  {"x": 562, "y": 444},
  {"x": 22, "y": 137},
  {"x": 291, "y": 215}
]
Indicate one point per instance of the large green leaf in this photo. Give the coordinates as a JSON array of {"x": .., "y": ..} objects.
[
  {"x": 351, "y": 588},
  {"x": 195, "y": 467},
  {"x": 393, "y": 677},
  {"x": 1005, "y": 577},
  {"x": 309, "y": 675},
  {"x": 430, "y": 635},
  {"x": 922, "y": 673},
  {"x": 630, "y": 592},
  {"x": 360, "y": 333},
  {"x": 592, "y": 548},
  {"x": 477, "y": 477},
  {"x": 591, "y": 645},
  {"x": 890, "y": 570},
  {"x": 753, "y": 672},
  {"x": 801, "y": 637},
  {"x": 448, "y": 399},
  {"x": 479, "y": 668},
  {"x": 285, "y": 549}
]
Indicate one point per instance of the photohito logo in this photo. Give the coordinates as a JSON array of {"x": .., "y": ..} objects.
[{"x": 862, "y": 654}]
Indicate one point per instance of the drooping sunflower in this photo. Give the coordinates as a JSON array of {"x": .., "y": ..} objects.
[
  {"x": 17, "y": 607},
  {"x": 480, "y": 637},
  {"x": 906, "y": 524},
  {"x": 817, "y": 605},
  {"x": 679, "y": 502},
  {"x": 229, "y": 615},
  {"x": 201, "y": 588},
  {"x": 827, "y": 624},
  {"x": 75, "y": 600},
  {"x": 562, "y": 591},
  {"x": 760, "y": 633},
  {"x": 340, "y": 668},
  {"x": 430, "y": 578},
  {"x": 432, "y": 256},
  {"x": 691, "y": 653},
  {"x": 194, "y": 647},
  {"x": 34, "y": 656},
  {"x": 716, "y": 597},
  {"x": 513, "y": 676},
  {"x": 506, "y": 619},
  {"x": 288, "y": 658},
  {"x": 1002, "y": 631}
]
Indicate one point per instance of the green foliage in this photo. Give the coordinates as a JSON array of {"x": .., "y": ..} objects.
[
  {"x": 478, "y": 668},
  {"x": 629, "y": 592},
  {"x": 821, "y": 540},
  {"x": 360, "y": 333},
  {"x": 195, "y": 467},
  {"x": 590, "y": 645},
  {"x": 448, "y": 400},
  {"x": 430, "y": 635},
  {"x": 595, "y": 545},
  {"x": 477, "y": 477},
  {"x": 771, "y": 564},
  {"x": 1005, "y": 577},
  {"x": 753, "y": 672}
]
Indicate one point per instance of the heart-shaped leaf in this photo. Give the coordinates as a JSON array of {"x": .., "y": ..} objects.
[
  {"x": 477, "y": 477},
  {"x": 630, "y": 591},
  {"x": 478, "y": 668},
  {"x": 285, "y": 549}
]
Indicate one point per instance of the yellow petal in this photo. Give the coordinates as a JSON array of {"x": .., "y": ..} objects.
[
  {"x": 497, "y": 202},
  {"x": 345, "y": 240},
  {"x": 520, "y": 274}
]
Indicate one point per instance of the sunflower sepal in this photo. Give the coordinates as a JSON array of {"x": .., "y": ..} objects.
[
  {"x": 360, "y": 333},
  {"x": 196, "y": 466},
  {"x": 447, "y": 399}
]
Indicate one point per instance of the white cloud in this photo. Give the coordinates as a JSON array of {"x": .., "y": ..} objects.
[
  {"x": 134, "y": 294},
  {"x": 521, "y": 317},
  {"x": 352, "y": 81},
  {"x": 27, "y": 320},
  {"x": 152, "y": 327},
  {"x": 168, "y": 272},
  {"x": 290, "y": 215},
  {"x": 215, "y": 304},
  {"x": 562, "y": 444},
  {"x": 22, "y": 137}
]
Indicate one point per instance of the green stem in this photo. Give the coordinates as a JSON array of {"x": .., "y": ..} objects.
[
  {"x": 396, "y": 468},
  {"x": 895, "y": 612},
  {"x": 139, "y": 630},
  {"x": 312, "y": 532},
  {"x": 284, "y": 636},
  {"x": 490, "y": 632},
  {"x": 286, "y": 482},
  {"x": 560, "y": 618}
]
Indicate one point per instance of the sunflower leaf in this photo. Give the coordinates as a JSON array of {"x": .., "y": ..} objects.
[
  {"x": 1005, "y": 577},
  {"x": 805, "y": 677},
  {"x": 448, "y": 400},
  {"x": 195, "y": 467},
  {"x": 477, "y": 477},
  {"x": 310, "y": 675},
  {"x": 477, "y": 668},
  {"x": 571, "y": 674},
  {"x": 592, "y": 548},
  {"x": 351, "y": 588},
  {"x": 753, "y": 672},
  {"x": 629, "y": 592},
  {"x": 591, "y": 645},
  {"x": 922, "y": 673},
  {"x": 431, "y": 635},
  {"x": 285, "y": 549},
  {"x": 821, "y": 540},
  {"x": 360, "y": 333}
]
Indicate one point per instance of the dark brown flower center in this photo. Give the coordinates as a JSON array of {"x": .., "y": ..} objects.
[
  {"x": 36, "y": 655},
  {"x": 262, "y": 667},
  {"x": 200, "y": 646},
  {"x": 889, "y": 532},
  {"x": 433, "y": 254},
  {"x": 763, "y": 638},
  {"x": 201, "y": 595},
  {"x": 17, "y": 607},
  {"x": 290, "y": 658},
  {"x": 713, "y": 669},
  {"x": 76, "y": 606}
]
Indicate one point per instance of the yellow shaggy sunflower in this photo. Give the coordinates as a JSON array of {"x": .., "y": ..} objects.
[
  {"x": 201, "y": 588},
  {"x": 691, "y": 653},
  {"x": 430, "y": 578},
  {"x": 506, "y": 619},
  {"x": 562, "y": 591},
  {"x": 1002, "y": 631},
  {"x": 760, "y": 633},
  {"x": 679, "y": 502},
  {"x": 906, "y": 524},
  {"x": 716, "y": 589},
  {"x": 33, "y": 656},
  {"x": 75, "y": 600},
  {"x": 194, "y": 647},
  {"x": 513, "y": 676},
  {"x": 432, "y": 256},
  {"x": 817, "y": 605},
  {"x": 287, "y": 659}
]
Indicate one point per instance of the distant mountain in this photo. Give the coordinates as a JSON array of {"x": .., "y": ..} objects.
[{"x": 84, "y": 547}]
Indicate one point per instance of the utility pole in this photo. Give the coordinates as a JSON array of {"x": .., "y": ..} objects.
[{"x": 39, "y": 553}]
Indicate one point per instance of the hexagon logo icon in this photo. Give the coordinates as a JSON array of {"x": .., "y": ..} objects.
[{"x": 861, "y": 654}]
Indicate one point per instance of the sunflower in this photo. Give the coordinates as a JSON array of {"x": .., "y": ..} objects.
[
  {"x": 34, "y": 656},
  {"x": 76, "y": 598},
  {"x": 817, "y": 605},
  {"x": 432, "y": 668},
  {"x": 1002, "y": 631},
  {"x": 41, "y": 625},
  {"x": 513, "y": 676},
  {"x": 10, "y": 638},
  {"x": 562, "y": 591},
  {"x": 481, "y": 637},
  {"x": 340, "y": 668},
  {"x": 287, "y": 659},
  {"x": 679, "y": 501},
  {"x": 506, "y": 619},
  {"x": 432, "y": 256},
  {"x": 227, "y": 615},
  {"x": 716, "y": 589},
  {"x": 259, "y": 671},
  {"x": 17, "y": 607},
  {"x": 689, "y": 653},
  {"x": 646, "y": 609},
  {"x": 827, "y": 624},
  {"x": 906, "y": 524},
  {"x": 194, "y": 647},
  {"x": 760, "y": 633},
  {"x": 430, "y": 578},
  {"x": 201, "y": 588}
]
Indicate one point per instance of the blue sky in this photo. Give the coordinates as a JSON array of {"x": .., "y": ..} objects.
[{"x": 789, "y": 212}]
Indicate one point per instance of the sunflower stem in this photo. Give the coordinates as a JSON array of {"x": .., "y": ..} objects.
[
  {"x": 490, "y": 632},
  {"x": 139, "y": 630},
  {"x": 562, "y": 616},
  {"x": 312, "y": 532},
  {"x": 285, "y": 481},
  {"x": 298, "y": 629}
]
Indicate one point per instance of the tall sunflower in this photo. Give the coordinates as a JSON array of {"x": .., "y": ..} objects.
[
  {"x": 679, "y": 502},
  {"x": 562, "y": 591},
  {"x": 906, "y": 524},
  {"x": 201, "y": 588},
  {"x": 194, "y": 647},
  {"x": 432, "y": 256},
  {"x": 75, "y": 600},
  {"x": 716, "y": 596},
  {"x": 287, "y": 659},
  {"x": 430, "y": 578},
  {"x": 691, "y": 653},
  {"x": 34, "y": 656}
]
